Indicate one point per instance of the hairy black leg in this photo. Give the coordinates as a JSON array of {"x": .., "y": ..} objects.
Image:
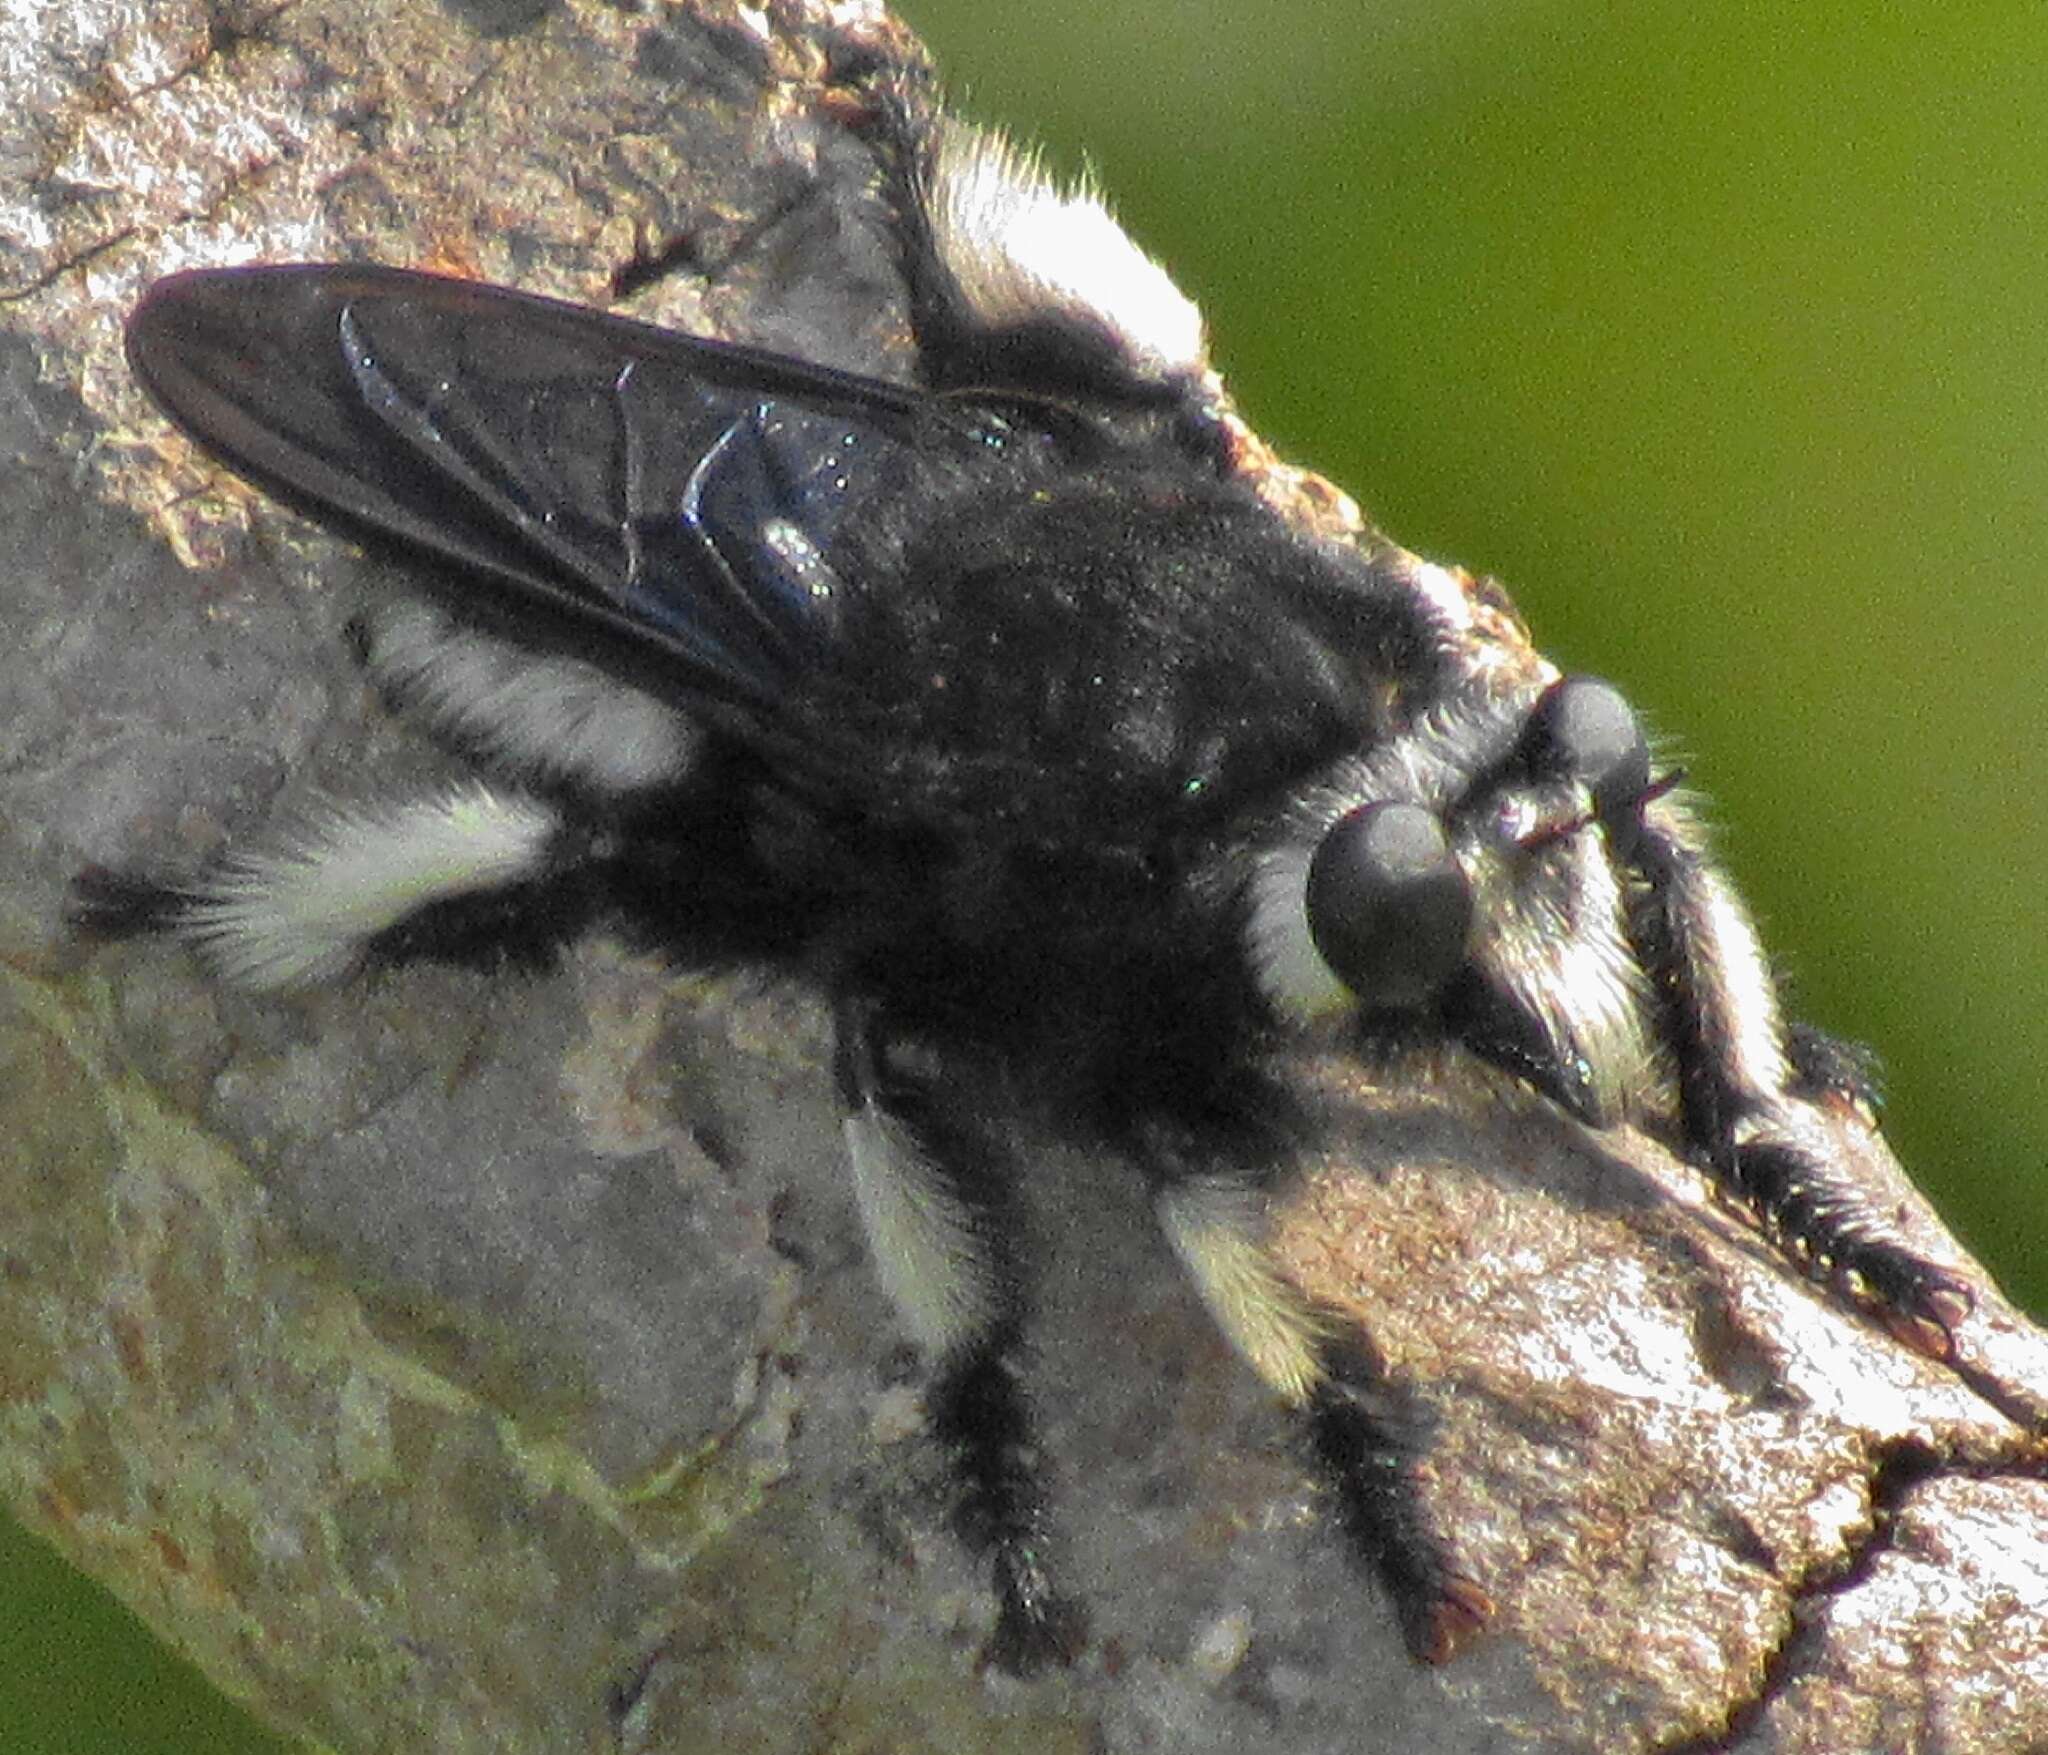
[
  {"x": 115, "y": 905},
  {"x": 1362, "y": 1428},
  {"x": 1832, "y": 1231},
  {"x": 524, "y": 925},
  {"x": 1364, "y": 1435},
  {"x": 475, "y": 874},
  {"x": 469, "y": 873},
  {"x": 1748, "y": 1083},
  {"x": 1826, "y": 1067},
  {"x": 934, "y": 1215},
  {"x": 979, "y": 1412}
]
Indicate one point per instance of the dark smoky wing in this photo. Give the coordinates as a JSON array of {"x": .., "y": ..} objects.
[{"x": 672, "y": 491}]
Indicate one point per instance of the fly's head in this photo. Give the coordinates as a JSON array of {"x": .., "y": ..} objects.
[{"x": 1473, "y": 876}]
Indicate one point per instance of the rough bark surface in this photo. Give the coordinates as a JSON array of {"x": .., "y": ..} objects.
[{"x": 468, "y": 1364}]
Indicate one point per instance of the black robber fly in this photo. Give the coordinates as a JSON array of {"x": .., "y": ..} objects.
[{"x": 1007, "y": 710}]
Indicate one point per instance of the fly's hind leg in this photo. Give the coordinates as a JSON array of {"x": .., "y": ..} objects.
[{"x": 469, "y": 874}]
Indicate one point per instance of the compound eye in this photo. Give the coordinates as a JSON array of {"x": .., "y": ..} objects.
[
  {"x": 1584, "y": 729},
  {"x": 1389, "y": 907}
]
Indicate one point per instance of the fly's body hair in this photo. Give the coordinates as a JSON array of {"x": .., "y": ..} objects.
[
  {"x": 553, "y": 718},
  {"x": 1005, "y": 709}
]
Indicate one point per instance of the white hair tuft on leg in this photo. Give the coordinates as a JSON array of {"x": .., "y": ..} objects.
[{"x": 304, "y": 910}]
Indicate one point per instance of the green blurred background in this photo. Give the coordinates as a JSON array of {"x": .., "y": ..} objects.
[{"x": 1721, "y": 333}]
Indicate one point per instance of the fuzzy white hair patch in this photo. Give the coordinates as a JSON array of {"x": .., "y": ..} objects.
[
  {"x": 305, "y": 910},
  {"x": 1564, "y": 955},
  {"x": 1292, "y": 974},
  {"x": 1214, "y": 1227},
  {"x": 529, "y": 713},
  {"x": 927, "y": 1254},
  {"x": 1741, "y": 988},
  {"x": 1020, "y": 248}
]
